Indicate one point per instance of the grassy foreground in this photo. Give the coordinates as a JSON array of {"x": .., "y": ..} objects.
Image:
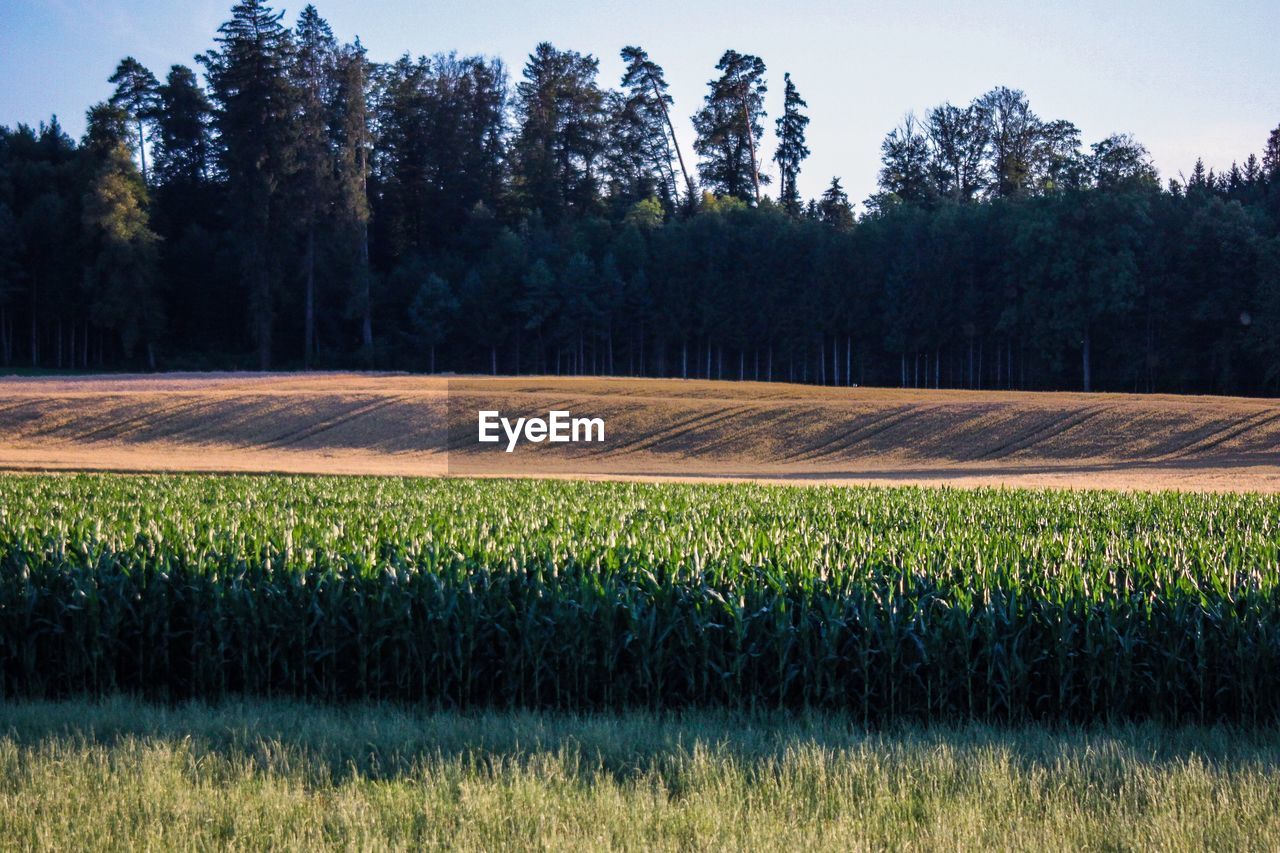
[{"x": 122, "y": 773}]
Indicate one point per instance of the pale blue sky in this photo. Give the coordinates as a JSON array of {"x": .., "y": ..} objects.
[{"x": 1186, "y": 78}]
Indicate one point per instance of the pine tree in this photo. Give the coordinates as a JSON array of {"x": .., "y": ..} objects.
[
  {"x": 728, "y": 127},
  {"x": 183, "y": 146},
  {"x": 1199, "y": 180},
  {"x": 1252, "y": 170},
  {"x": 121, "y": 259},
  {"x": 561, "y": 136},
  {"x": 354, "y": 143},
  {"x": 42, "y": 174},
  {"x": 834, "y": 208},
  {"x": 312, "y": 76},
  {"x": 136, "y": 93},
  {"x": 791, "y": 148},
  {"x": 1271, "y": 156},
  {"x": 646, "y": 86},
  {"x": 638, "y": 156},
  {"x": 255, "y": 118}
]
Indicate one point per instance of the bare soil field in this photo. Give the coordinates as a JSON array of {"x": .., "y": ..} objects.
[{"x": 656, "y": 429}]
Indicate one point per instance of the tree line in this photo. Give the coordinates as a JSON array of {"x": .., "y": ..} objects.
[{"x": 290, "y": 203}]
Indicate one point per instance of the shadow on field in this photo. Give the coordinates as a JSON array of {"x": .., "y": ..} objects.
[
  {"x": 688, "y": 428},
  {"x": 381, "y": 742}
]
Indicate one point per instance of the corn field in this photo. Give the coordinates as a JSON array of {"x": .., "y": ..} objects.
[{"x": 886, "y": 604}]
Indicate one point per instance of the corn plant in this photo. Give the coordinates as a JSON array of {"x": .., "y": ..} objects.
[{"x": 889, "y": 604}]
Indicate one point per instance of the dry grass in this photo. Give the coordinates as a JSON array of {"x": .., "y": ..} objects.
[
  {"x": 124, "y": 774},
  {"x": 392, "y": 424}
]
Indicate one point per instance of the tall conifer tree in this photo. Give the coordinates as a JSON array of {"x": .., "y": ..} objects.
[{"x": 791, "y": 148}]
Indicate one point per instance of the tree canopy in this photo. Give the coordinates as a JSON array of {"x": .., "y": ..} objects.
[{"x": 298, "y": 204}]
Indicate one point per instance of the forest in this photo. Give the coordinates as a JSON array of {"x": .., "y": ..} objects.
[{"x": 288, "y": 203}]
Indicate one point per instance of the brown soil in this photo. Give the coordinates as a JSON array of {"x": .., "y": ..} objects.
[{"x": 656, "y": 429}]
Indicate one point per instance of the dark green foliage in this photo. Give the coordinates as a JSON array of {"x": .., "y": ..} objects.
[
  {"x": 313, "y": 187},
  {"x": 905, "y": 170},
  {"x": 643, "y": 139},
  {"x": 729, "y": 130},
  {"x": 1271, "y": 155},
  {"x": 791, "y": 150},
  {"x": 256, "y": 118},
  {"x": 289, "y": 198},
  {"x": 137, "y": 93},
  {"x": 183, "y": 148},
  {"x": 959, "y": 139},
  {"x": 888, "y": 604},
  {"x": 834, "y": 208},
  {"x": 432, "y": 310},
  {"x": 120, "y": 251},
  {"x": 562, "y": 133}
]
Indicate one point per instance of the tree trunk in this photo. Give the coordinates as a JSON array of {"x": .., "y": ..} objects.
[
  {"x": 657, "y": 93},
  {"x": 264, "y": 324},
  {"x": 309, "y": 309},
  {"x": 35, "y": 339},
  {"x": 1085, "y": 356},
  {"x": 751, "y": 141},
  {"x": 142, "y": 150},
  {"x": 366, "y": 297}
]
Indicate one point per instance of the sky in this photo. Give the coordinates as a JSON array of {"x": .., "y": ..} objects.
[{"x": 1187, "y": 79}]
